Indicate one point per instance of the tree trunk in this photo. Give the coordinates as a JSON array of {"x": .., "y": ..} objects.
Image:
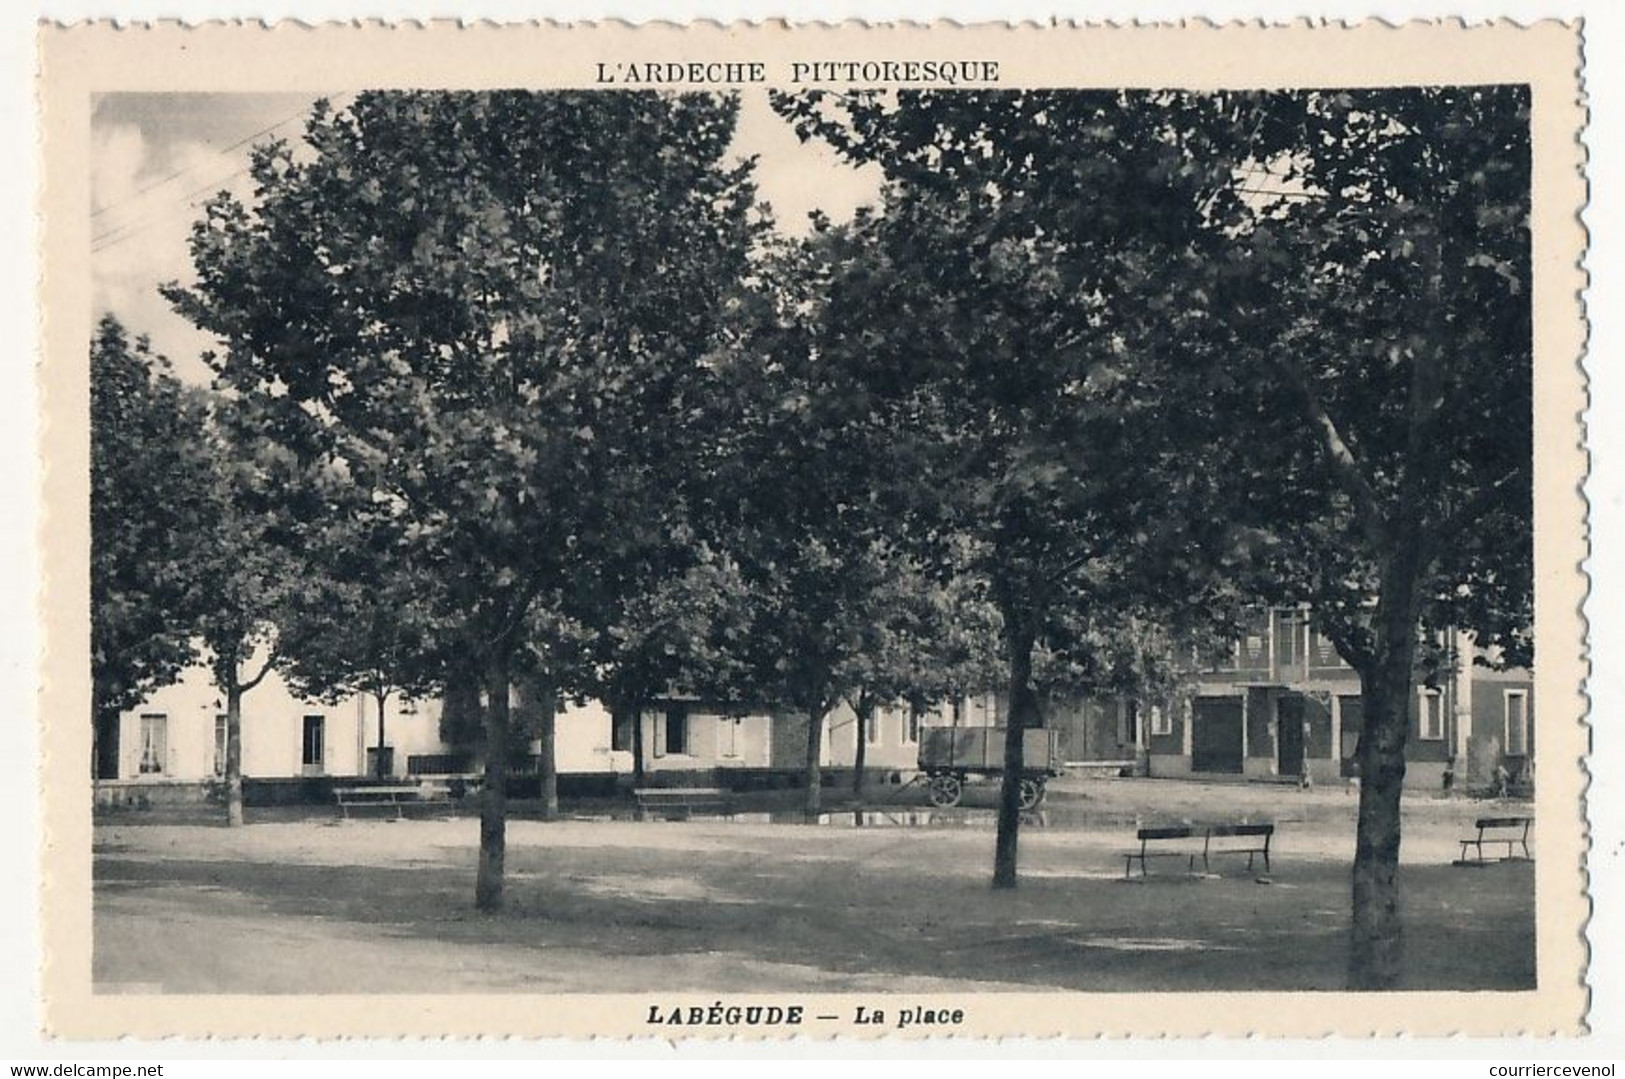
[
  {"x": 866, "y": 716},
  {"x": 234, "y": 755},
  {"x": 104, "y": 759},
  {"x": 636, "y": 715},
  {"x": 382, "y": 766},
  {"x": 1375, "y": 945},
  {"x": 624, "y": 716},
  {"x": 1024, "y": 713},
  {"x": 815, "y": 746},
  {"x": 547, "y": 763},
  {"x": 494, "y": 798}
]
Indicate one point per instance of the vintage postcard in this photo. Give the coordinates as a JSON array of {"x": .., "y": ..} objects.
[{"x": 767, "y": 532}]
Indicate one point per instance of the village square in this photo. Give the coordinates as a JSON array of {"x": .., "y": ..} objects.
[{"x": 914, "y": 542}]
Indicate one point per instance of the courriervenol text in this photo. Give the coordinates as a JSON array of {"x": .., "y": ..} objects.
[{"x": 941, "y": 71}]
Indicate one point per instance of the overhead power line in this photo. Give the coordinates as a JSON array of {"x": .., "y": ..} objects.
[
  {"x": 116, "y": 234},
  {"x": 183, "y": 170},
  {"x": 119, "y": 233}
]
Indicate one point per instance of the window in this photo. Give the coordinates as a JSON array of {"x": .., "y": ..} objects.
[
  {"x": 1125, "y": 723},
  {"x": 1517, "y": 719},
  {"x": 871, "y": 729},
  {"x": 154, "y": 743},
  {"x": 728, "y": 736},
  {"x": 1287, "y": 629},
  {"x": 1430, "y": 714},
  {"x": 1161, "y": 721},
  {"x": 620, "y": 732},
  {"x": 312, "y": 754},
  {"x": 911, "y": 727},
  {"x": 219, "y": 745},
  {"x": 676, "y": 729},
  {"x": 1322, "y": 652}
]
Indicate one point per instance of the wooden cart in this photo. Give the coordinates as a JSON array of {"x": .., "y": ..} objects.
[{"x": 952, "y": 756}]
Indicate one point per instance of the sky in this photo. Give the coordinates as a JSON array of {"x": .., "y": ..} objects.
[{"x": 156, "y": 158}]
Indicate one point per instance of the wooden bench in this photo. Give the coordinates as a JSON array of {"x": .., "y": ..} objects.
[
  {"x": 1511, "y": 831},
  {"x": 1148, "y": 836},
  {"x": 448, "y": 786},
  {"x": 1259, "y": 835},
  {"x": 679, "y": 801},
  {"x": 393, "y": 796}
]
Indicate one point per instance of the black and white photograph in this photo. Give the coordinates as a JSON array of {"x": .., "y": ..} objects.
[{"x": 880, "y": 531}]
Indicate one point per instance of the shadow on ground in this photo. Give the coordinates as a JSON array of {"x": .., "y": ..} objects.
[{"x": 622, "y": 907}]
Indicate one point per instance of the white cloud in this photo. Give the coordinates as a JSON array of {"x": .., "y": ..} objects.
[
  {"x": 148, "y": 185},
  {"x": 144, "y": 200}
]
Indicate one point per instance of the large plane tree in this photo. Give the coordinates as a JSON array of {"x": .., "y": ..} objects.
[
  {"x": 1319, "y": 303},
  {"x": 1023, "y": 270},
  {"x": 1377, "y": 302},
  {"x": 479, "y": 306},
  {"x": 150, "y": 485}
]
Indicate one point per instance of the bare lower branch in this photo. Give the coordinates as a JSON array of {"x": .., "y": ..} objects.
[
  {"x": 1335, "y": 449},
  {"x": 270, "y": 661}
]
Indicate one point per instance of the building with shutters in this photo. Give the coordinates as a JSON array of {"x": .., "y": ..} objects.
[
  {"x": 1283, "y": 704},
  {"x": 1280, "y": 704}
]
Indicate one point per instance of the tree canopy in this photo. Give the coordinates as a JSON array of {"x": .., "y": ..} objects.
[
  {"x": 150, "y": 486},
  {"x": 486, "y": 310},
  {"x": 1024, "y": 269}
]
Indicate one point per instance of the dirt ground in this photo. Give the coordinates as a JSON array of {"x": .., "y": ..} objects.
[{"x": 300, "y": 903}]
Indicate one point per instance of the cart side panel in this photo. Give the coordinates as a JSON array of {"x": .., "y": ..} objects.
[
  {"x": 1040, "y": 748},
  {"x": 981, "y": 749},
  {"x": 937, "y": 747},
  {"x": 970, "y": 747}
]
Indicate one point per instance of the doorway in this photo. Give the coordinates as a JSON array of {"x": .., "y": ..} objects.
[
  {"x": 1216, "y": 734},
  {"x": 1289, "y": 741}
]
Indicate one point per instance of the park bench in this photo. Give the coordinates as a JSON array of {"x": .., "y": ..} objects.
[
  {"x": 392, "y": 796},
  {"x": 1511, "y": 831},
  {"x": 448, "y": 786},
  {"x": 1181, "y": 843},
  {"x": 1255, "y": 840},
  {"x": 679, "y": 801}
]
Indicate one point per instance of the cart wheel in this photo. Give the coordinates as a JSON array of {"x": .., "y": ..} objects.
[
  {"x": 1032, "y": 793},
  {"x": 945, "y": 790}
]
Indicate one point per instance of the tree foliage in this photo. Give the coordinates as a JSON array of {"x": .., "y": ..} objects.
[
  {"x": 486, "y": 310},
  {"x": 149, "y": 491},
  {"x": 1024, "y": 268},
  {"x": 1383, "y": 316},
  {"x": 1384, "y": 313}
]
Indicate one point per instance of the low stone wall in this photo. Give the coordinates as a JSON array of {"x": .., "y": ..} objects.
[
  {"x": 1168, "y": 764},
  {"x": 128, "y": 794}
]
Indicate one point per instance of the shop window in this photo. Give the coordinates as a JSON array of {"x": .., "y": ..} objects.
[{"x": 1517, "y": 722}]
